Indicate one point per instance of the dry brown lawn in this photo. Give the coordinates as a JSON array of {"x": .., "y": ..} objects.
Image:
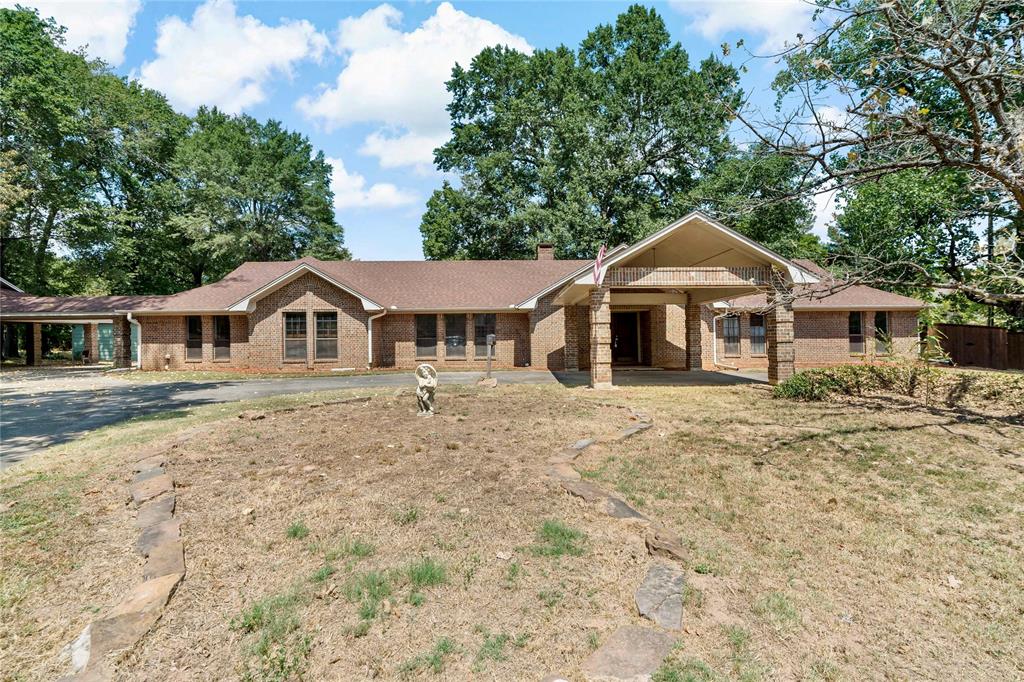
[{"x": 847, "y": 540}]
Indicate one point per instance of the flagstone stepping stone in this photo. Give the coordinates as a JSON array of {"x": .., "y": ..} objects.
[
  {"x": 167, "y": 558},
  {"x": 632, "y": 430},
  {"x": 632, "y": 653},
  {"x": 158, "y": 534},
  {"x": 582, "y": 444},
  {"x": 131, "y": 619},
  {"x": 147, "y": 474},
  {"x": 155, "y": 511},
  {"x": 564, "y": 472},
  {"x": 663, "y": 542},
  {"x": 585, "y": 489},
  {"x": 660, "y": 596},
  {"x": 151, "y": 487},
  {"x": 151, "y": 462},
  {"x": 620, "y": 509}
]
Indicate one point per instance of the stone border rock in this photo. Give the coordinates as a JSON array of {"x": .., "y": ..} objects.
[
  {"x": 631, "y": 652},
  {"x": 160, "y": 544}
]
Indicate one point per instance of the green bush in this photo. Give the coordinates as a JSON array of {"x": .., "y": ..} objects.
[{"x": 911, "y": 378}]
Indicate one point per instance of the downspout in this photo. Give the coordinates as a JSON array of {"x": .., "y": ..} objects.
[
  {"x": 714, "y": 342},
  {"x": 369, "y": 337},
  {"x": 138, "y": 346}
]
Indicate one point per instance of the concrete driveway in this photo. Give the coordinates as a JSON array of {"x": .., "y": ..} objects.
[{"x": 49, "y": 406}]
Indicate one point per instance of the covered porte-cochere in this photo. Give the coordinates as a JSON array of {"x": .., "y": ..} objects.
[{"x": 646, "y": 300}]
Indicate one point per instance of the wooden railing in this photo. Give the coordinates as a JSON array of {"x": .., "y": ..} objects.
[{"x": 748, "y": 275}]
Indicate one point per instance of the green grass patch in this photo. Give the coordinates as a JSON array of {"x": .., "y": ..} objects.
[
  {"x": 276, "y": 648},
  {"x": 426, "y": 573},
  {"x": 406, "y": 517},
  {"x": 433, "y": 659},
  {"x": 777, "y": 609},
  {"x": 554, "y": 538},
  {"x": 355, "y": 549},
  {"x": 322, "y": 573},
  {"x": 493, "y": 648},
  {"x": 690, "y": 670},
  {"x": 298, "y": 530},
  {"x": 369, "y": 590}
]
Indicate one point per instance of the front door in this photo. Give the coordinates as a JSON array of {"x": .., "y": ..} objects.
[{"x": 625, "y": 340}]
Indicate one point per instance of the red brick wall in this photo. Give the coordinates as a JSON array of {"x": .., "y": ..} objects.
[
  {"x": 821, "y": 339},
  {"x": 165, "y": 335},
  {"x": 308, "y": 294},
  {"x": 547, "y": 335},
  {"x": 395, "y": 342},
  {"x": 668, "y": 336}
]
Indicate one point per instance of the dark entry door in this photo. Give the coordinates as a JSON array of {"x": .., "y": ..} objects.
[{"x": 625, "y": 340}]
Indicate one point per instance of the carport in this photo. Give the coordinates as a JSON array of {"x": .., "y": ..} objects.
[{"x": 18, "y": 308}]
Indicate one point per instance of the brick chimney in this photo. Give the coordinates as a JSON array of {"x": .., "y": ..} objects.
[{"x": 545, "y": 251}]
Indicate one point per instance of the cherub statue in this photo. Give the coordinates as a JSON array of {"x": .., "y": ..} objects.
[{"x": 426, "y": 384}]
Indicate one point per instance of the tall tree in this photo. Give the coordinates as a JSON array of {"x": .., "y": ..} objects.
[
  {"x": 105, "y": 188},
  {"x": 602, "y": 144},
  {"x": 43, "y": 133},
  {"x": 245, "y": 190},
  {"x": 927, "y": 85}
]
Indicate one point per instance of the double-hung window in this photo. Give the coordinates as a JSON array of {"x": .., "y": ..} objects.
[
  {"x": 294, "y": 337},
  {"x": 881, "y": 332},
  {"x": 731, "y": 335},
  {"x": 483, "y": 324},
  {"x": 757, "y": 345},
  {"x": 327, "y": 336},
  {"x": 426, "y": 336},
  {"x": 455, "y": 336},
  {"x": 194, "y": 339},
  {"x": 856, "y": 327},
  {"x": 221, "y": 337}
]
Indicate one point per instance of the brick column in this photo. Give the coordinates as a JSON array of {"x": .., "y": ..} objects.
[
  {"x": 601, "y": 337},
  {"x": 122, "y": 342},
  {"x": 779, "y": 335},
  {"x": 693, "y": 333},
  {"x": 33, "y": 344},
  {"x": 572, "y": 339},
  {"x": 91, "y": 341}
]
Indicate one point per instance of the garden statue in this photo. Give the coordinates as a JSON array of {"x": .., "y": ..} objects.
[{"x": 426, "y": 384}]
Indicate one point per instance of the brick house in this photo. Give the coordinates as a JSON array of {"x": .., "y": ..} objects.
[{"x": 695, "y": 295}]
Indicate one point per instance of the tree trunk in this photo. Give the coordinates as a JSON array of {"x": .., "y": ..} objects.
[{"x": 41, "y": 248}]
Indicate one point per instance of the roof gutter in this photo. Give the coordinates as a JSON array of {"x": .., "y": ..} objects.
[
  {"x": 138, "y": 346},
  {"x": 369, "y": 337}
]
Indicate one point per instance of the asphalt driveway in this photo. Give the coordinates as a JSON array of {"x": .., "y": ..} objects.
[{"x": 45, "y": 407}]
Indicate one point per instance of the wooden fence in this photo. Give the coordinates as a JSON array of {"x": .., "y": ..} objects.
[{"x": 979, "y": 346}]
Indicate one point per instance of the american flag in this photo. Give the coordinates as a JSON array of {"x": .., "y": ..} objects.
[{"x": 599, "y": 266}]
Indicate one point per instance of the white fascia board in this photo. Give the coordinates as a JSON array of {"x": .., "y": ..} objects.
[
  {"x": 796, "y": 273},
  {"x": 245, "y": 305},
  {"x": 12, "y": 286}
]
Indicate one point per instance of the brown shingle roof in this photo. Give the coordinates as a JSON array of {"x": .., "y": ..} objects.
[
  {"x": 13, "y": 302},
  {"x": 406, "y": 285},
  {"x": 816, "y": 296}
]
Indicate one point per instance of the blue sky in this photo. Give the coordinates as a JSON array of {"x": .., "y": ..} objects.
[{"x": 365, "y": 80}]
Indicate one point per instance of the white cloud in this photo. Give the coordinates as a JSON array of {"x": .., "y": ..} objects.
[
  {"x": 101, "y": 26},
  {"x": 396, "y": 79},
  {"x": 350, "y": 190},
  {"x": 394, "y": 150},
  {"x": 222, "y": 59},
  {"x": 778, "y": 21},
  {"x": 826, "y": 206}
]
